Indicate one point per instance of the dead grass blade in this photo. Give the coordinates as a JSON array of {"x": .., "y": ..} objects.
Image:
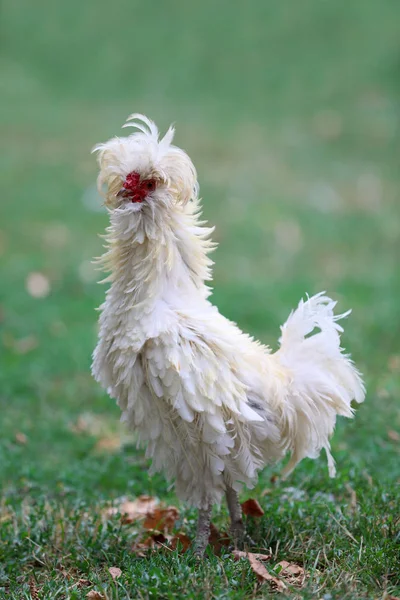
[{"x": 238, "y": 554}]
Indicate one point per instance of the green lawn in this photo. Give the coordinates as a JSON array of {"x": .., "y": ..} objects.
[{"x": 291, "y": 113}]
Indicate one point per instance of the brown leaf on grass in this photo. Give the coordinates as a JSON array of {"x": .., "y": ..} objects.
[
  {"x": 140, "y": 548},
  {"x": 161, "y": 518},
  {"x": 263, "y": 575},
  {"x": 252, "y": 508},
  {"x": 238, "y": 554},
  {"x": 81, "y": 583},
  {"x": 217, "y": 539},
  {"x": 115, "y": 572},
  {"x": 93, "y": 595},
  {"x": 132, "y": 510},
  {"x": 92, "y": 424},
  {"x": 180, "y": 540},
  {"x": 21, "y": 438},
  {"x": 393, "y": 435},
  {"x": 146, "y": 509},
  {"x": 153, "y": 540},
  {"x": 292, "y": 573},
  {"x": 108, "y": 443}
]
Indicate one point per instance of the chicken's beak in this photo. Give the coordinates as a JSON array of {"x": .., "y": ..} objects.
[{"x": 123, "y": 193}]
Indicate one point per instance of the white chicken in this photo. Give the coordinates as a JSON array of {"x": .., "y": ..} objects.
[{"x": 212, "y": 405}]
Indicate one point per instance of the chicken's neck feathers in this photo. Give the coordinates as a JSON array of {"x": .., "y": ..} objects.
[{"x": 162, "y": 257}]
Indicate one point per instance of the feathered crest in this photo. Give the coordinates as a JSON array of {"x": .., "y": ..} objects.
[
  {"x": 144, "y": 152},
  {"x": 148, "y": 127}
]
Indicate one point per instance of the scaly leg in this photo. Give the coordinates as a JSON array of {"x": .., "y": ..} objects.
[
  {"x": 238, "y": 529},
  {"x": 203, "y": 531}
]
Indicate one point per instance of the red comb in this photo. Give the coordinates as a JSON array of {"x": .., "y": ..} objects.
[{"x": 132, "y": 181}]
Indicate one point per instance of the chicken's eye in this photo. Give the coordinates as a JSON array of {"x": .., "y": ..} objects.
[{"x": 150, "y": 185}]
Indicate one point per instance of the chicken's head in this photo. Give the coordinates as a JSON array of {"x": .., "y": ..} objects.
[{"x": 140, "y": 172}]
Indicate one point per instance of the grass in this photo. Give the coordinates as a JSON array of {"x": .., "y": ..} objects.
[{"x": 291, "y": 114}]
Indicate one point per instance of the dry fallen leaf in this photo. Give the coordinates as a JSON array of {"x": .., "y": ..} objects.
[
  {"x": 258, "y": 568},
  {"x": 237, "y": 554},
  {"x": 217, "y": 539},
  {"x": 132, "y": 510},
  {"x": 108, "y": 443},
  {"x": 153, "y": 540},
  {"x": 90, "y": 423},
  {"x": 393, "y": 435},
  {"x": 83, "y": 583},
  {"x": 161, "y": 518},
  {"x": 21, "y": 438},
  {"x": 37, "y": 285},
  {"x": 180, "y": 540},
  {"x": 252, "y": 508},
  {"x": 263, "y": 575},
  {"x": 93, "y": 595},
  {"x": 146, "y": 509},
  {"x": 115, "y": 572},
  {"x": 140, "y": 549},
  {"x": 157, "y": 522},
  {"x": 86, "y": 423},
  {"x": 292, "y": 573}
]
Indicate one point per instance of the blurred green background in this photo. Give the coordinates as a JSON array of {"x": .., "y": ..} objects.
[{"x": 291, "y": 114}]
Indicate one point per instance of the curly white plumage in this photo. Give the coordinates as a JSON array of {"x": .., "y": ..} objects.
[{"x": 212, "y": 405}]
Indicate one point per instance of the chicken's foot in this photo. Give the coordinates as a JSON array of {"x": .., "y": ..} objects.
[
  {"x": 238, "y": 529},
  {"x": 203, "y": 531}
]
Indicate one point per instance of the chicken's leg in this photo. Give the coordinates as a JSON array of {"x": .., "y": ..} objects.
[
  {"x": 238, "y": 529},
  {"x": 203, "y": 531}
]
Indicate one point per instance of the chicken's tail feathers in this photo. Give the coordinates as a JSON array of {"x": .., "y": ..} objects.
[{"x": 322, "y": 380}]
